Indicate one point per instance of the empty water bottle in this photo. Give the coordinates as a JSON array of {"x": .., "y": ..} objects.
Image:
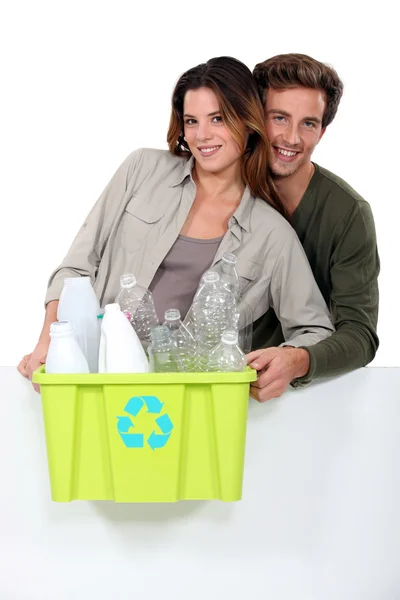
[
  {"x": 138, "y": 305},
  {"x": 183, "y": 338},
  {"x": 229, "y": 277},
  {"x": 163, "y": 351},
  {"x": 227, "y": 356},
  {"x": 213, "y": 310}
]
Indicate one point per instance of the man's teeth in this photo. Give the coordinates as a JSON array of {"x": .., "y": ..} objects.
[
  {"x": 206, "y": 150},
  {"x": 286, "y": 152}
]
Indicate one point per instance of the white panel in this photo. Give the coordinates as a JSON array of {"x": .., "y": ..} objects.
[{"x": 319, "y": 517}]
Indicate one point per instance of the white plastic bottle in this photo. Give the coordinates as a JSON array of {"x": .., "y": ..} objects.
[
  {"x": 138, "y": 305},
  {"x": 227, "y": 356},
  {"x": 182, "y": 337},
  {"x": 120, "y": 348},
  {"x": 64, "y": 354},
  {"x": 79, "y": 306}
]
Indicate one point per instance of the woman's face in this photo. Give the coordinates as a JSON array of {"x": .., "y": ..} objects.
[{"x": 207, "y": 136}]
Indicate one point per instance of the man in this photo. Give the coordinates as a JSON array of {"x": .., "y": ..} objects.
[{"x": 334, "y": 224}]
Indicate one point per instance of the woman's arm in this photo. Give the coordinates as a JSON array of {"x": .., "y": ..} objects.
[
  {"x": 304, "y": 317},
  {"x": 85, "y": 253},
  {"x": 296, "y": 299}
]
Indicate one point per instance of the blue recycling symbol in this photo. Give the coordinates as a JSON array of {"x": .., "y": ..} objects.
[{"x": 136, "y": 440}]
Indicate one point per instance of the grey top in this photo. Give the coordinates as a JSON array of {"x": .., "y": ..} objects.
[
  {"x": 139, "y": 217},
  {"x": 178, "y": 276}
]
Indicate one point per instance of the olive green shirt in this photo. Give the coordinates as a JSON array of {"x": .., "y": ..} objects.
[
  {"x": 138, "y": 218},
  {"x": 336, "y": 228}
]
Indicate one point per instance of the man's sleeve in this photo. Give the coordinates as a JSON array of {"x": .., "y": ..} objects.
[{"x": 354, "y": 272}]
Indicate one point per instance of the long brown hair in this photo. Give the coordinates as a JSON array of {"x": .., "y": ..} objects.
[
  {"x": 233, "y": 84},
  {"x": 299, "y": 70}
]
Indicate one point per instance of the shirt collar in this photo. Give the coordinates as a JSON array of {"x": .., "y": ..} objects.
[
  {"x": 185, "y": 171},
  {"x": 243, "y": 212}
]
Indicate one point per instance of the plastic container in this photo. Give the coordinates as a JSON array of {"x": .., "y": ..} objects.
[
  {"x": 187, "y": 441},
  {"x": 227, "y": 355},
  {"x": 184, "y": 340},
  {"x": 163, "y": 351},
  {"x": 213, "y": 310},
  {"x": 229, "y": 277},
  {"x": 65, "y": 354},
  {"x": 79, "y": 306},
  {"x": 138, "y": 305},
  {"x": 120, "y": 348}
]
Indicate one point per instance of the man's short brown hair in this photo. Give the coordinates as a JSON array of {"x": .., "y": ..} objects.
[{"x": 299, "y": 70}]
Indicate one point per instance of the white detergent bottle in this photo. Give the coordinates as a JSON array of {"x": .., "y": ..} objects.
[
  {"x": 79, "y": 306},
  {"x": 65, "y": 354},
  {"x": 120, "y": 348}
]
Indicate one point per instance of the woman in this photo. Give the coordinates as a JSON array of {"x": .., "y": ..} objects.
[{"x": 167, "y": 216}]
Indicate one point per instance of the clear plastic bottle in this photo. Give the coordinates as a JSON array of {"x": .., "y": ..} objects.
[
  {"x": 163, "y": 351},
  {"x": 138, "y": 305},
  {"x": 183, "y": 338},
  {"x": 65, "y": 354},
  {"x": 227, "y": 355},
  {"x": 213, "y": 310},
  {"x": 79, "y": 306},
  {"x": 120, "y": 348},
  {"x": 229, "y": 277}
]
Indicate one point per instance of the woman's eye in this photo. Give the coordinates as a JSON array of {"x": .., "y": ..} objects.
[
  {"x": 217, "y": 119},
  {"x": 279, "y": 119},
  {"x": 190, "y": 121}
]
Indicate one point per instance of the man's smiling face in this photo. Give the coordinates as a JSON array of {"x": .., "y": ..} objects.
[{"x": 293, "y": 119}]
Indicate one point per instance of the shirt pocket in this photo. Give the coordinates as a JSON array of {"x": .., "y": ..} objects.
[
  {"x": 248, "y": 272},
  {"x": 137, "y": 222}
]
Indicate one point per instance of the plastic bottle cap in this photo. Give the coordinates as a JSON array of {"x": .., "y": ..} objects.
[
  {"x": 230, "y": 337},
  {"x": 172, "y": 314},
  {"x": 211, "y": 277},
  {"x": 230, "y": 258},
  {"x": 128, "y": 280},
  {"x": 59, "y": 328},
  {"x": 112, "y": 307}
]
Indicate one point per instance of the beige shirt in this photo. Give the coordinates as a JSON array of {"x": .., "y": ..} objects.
[{"x": 139, "y": 216}]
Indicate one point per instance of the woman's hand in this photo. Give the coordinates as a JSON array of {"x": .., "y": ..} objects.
[{"x": 33, "y": 361}]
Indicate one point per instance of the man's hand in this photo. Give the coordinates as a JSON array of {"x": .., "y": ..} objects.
[
  {"x": 33, "y": 361},
  {"x": 276, "y": 367}
]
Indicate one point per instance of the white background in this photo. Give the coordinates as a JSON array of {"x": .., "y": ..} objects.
[
  {"x": 85, "y": 83},
  {"x": 319, "y": 518}
]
